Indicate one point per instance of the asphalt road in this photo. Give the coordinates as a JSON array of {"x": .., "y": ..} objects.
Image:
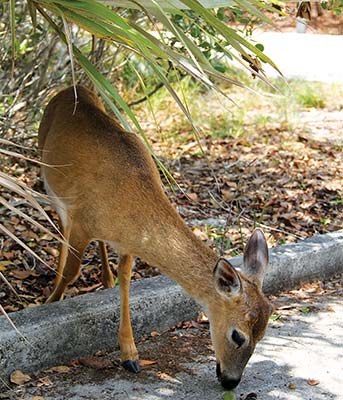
[{"x": 299, "y": 359}]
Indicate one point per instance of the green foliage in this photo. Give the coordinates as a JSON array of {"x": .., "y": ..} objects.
[
  {"x": 228, "y": 126},
  {"x": 204, "y": 36},
  {"x": 310, "y": 97},
  {"x": 305, "y": 310},
  {"x": 334, "y": 5}
]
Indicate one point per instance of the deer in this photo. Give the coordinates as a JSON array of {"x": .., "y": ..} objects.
[{"x": 105, "y": 186}]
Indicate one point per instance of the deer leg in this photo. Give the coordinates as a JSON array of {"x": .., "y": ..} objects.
[
  {"x": 69, "y": 263},
  {"x": 63, "y": 254},
  {"x": 128, "y": 350},
  {"x": 106, "y": 274}
]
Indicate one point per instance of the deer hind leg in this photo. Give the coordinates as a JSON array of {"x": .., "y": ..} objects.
[
  {"x": 128, "y": 350},
  {"x": 106, "y": 274},
  {"x": 69, "y": 261},
  {"x": 63, "y": 253}
]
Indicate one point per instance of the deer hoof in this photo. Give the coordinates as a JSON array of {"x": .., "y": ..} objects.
[{"x": 132, "y": 366}]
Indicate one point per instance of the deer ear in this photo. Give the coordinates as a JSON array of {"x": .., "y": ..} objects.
[
  {"x": 256, "y": 256},
  {"x": 226, "y": 279}
]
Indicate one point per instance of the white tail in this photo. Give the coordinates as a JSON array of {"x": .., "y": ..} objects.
[{"x": 107, "y": 187}]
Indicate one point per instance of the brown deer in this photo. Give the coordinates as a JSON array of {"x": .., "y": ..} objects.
[{"x": 105, "y": 186}]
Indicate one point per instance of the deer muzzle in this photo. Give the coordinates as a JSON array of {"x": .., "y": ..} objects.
[{"x": 227, "y": 382}]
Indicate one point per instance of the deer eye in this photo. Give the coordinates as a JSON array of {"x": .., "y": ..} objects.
[{"x": 237, "y": 338}]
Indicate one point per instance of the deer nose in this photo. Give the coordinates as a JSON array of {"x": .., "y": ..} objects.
[
  {"x": 225, "y": 381},
  {"x": 228, "y": 383}
]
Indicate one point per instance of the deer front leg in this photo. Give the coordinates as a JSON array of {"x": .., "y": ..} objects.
[{"x": 128, "y": 350}]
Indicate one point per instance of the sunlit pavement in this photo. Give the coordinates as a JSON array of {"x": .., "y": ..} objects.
[{"x": 307, "y": 56}]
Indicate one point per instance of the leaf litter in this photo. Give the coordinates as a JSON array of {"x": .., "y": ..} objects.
[{"x": 279, "y": 179}]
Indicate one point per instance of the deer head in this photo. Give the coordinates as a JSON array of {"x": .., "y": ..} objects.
[{"x": 240, "y": 314}]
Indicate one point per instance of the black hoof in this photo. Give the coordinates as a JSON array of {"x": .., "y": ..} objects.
[{"x": 132, "y": 366}]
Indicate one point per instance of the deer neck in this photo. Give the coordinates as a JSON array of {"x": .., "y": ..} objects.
[{"x": 178, "y": 253}]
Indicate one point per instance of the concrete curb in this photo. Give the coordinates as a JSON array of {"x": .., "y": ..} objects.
[{"x": 59, "y": 332}]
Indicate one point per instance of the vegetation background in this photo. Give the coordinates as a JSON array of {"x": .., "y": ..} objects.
[{"x": 237, "y": 146}]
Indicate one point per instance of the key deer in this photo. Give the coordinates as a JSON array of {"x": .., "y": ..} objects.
[{"x": 105, "y": 186}]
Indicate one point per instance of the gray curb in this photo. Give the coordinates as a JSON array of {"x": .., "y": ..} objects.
[{"x": 59, "y": 332}]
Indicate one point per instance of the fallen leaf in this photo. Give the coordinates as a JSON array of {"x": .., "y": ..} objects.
[
  {"x": 19, "y": 378},
  {"x": 95, "y": 362},
  {"x": 166, "y": 377},
  {"x": 292, "y": 386},
  {"x": 154, "y": 333},
  {"x": 197, "y": 325},
  {"x": 192, "y": 196},
  {"x": 71, "y": 291},
  {"x": 46, "y": 236},
  {"x": 22, "y": 274},
  {"x": 8, "y": 254},
  {"x": 90, "y": 288},
  {"x": 45, "y": 381},
  {"x": 62, "y": 369},
  {"x": 202, "y": 318},
  {"x": 52, "y": 251},
  {"x": 147, "y": 363},
  {"x": 4, "y": 264},
  {"x": 201, "y": 235},
  {"x": 228, "y": 194},
  {"x": 229, "y": 396},
  {"x": 313, "y": 382}
]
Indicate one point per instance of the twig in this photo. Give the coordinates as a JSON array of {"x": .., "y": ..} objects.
[
  {"x": 2, "y": 276},
  {"x": 156, "y": 89},
  {"x": 141, "y": 100},
  {"x": 12, "y": 324}
]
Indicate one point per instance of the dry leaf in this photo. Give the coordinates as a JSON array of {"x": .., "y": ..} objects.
[
  {"x": 146, "y": 363},
  {"x": 292, "y": 386},
  {"x": 45, "y": 381},
  {"x": 51, "y": 250},
  {"x": 90, "y": 288},
  {"x": 313, "y": 382},
  {"x": 201, "y": 235},
  {"x": 165, "y": 377},
  {"x": 4, "y": 264},
  {"x": 19, "y": 378},
  {"x": 62, "y": 369},
  {"x": 95, "y": 362},
  {"x": 192, "y": 196},
  {"x": 22, "y": 274},
  {"x": 46, "y": 236},
  {"x": 37, "y": 398},
  {"x": 228, "y": 194},
  {"x": 8, "y": 254},
  {"x": 154, "y": 333}
]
